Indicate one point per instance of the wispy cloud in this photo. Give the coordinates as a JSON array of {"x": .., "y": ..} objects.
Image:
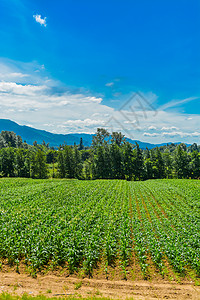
[
  {"x": 170, "y": 128},
  {"x": 181, "y": 134},
  {"x": 12, "y": 76},
  {"x": 109, "y": 84},
  {"x": 29, "y": 73},
  {"x": 173, "y": 134},
  {"x": 150, "y": 134},
  {"x": 174, "y": 103},
  {"x": 40, "y": 20}
]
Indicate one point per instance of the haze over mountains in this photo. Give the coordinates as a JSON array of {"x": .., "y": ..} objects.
[{"x": 30, "y": 135}]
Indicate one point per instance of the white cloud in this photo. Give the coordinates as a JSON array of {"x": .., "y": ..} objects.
[
  {"x": 170, "y": 128},
  {"x": 33, "y": 98},
  {"x": 181, "y": 134},
  {"x": 195, "y": 134},
  {"x": 130, "y": 122},
  {"x": 40, "y": 20},
  {"x": 12, "y": 76},
  {"x": 172, "y": 134},
  {"x": 86, "y": 122},
  {"x": 109, "y": 84},
  {"x": 49, "y": 125},
  {"x": 40, "y": 104},
  {"x": 18, "y": 89},
  {"x": 150, "y": 134},
  {"x": 152, "y": 127}
]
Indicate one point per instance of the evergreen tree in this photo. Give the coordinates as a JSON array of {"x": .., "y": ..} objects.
[
  {"x": 160, "y": 164},
  {"x": 195, "y": 165},
  {"x": 167, "y": 158},
  {"x": 7, "y": 162},
  {"x": 181, "y": 163},
  {"x": 128, "y": 161},
  {"x": 81, "y": 147},
  {"x": 39, "y": 166},
  {"x": 61, "y": 165},
  {"x": 87, "y": 171},
  {"x": 138, "y": 163},
  {"x": 68, "y": 162},
  {"x": 148, "y": 166},
  {"x": 117, "y": 171},
  {"x": 100, "y": 163},
  {"x": 77, "y": 163},
  {"x": 155, "y": 170},
  {"x": 51, "y": 154},
  {"x": 28, "y": 164},
  {"x": 20, "y": 163}
]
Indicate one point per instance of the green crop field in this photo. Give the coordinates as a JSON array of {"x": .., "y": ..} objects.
[{"x": 86, "y": 225}]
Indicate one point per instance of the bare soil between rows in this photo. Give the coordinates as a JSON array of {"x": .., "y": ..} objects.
[{"x": 61, "y": 286}]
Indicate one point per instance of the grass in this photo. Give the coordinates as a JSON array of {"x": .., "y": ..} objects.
[{"x": 78, "y": 285}]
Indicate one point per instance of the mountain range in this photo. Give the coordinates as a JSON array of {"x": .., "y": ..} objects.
[{"x": 30, "y": 135}]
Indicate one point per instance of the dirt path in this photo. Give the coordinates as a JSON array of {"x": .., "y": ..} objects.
[{"x": 51, "y": 285}]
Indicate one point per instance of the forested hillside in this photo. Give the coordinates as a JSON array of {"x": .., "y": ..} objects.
[{"x": 30, "y": 135}]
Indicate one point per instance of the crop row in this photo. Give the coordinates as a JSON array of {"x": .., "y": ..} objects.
[{"x": 79, "y": 224}]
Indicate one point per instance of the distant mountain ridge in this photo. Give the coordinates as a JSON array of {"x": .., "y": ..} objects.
[{"x": 30, "y": 135}]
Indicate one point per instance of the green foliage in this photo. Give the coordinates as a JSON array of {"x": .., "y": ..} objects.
[
  {"x": 6, "y": 296},
  {"x": 7, "y": 162},
  {"x": 10, "y": 139},
  {"x": 100, "y": 138},
  {"x": 138, "y": 163},
  {"x": 194, "y": 164},
  {"x": 181, "y": 163},
  {"x": 110, "y": 157},
  {"x": 38, "y": 165}
]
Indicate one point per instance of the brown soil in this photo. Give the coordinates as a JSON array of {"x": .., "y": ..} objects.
[{"x": 52, "y": 285}]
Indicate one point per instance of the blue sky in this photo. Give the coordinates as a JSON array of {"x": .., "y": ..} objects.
[{"x": 69, "y": 66}]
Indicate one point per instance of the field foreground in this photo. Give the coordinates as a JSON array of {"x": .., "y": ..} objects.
[
  {"x": 147, "y": 233},
  {"x": 53, "y": 286}
]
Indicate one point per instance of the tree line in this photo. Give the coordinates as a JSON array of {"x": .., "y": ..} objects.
[{"x": 109, "y": 157}]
